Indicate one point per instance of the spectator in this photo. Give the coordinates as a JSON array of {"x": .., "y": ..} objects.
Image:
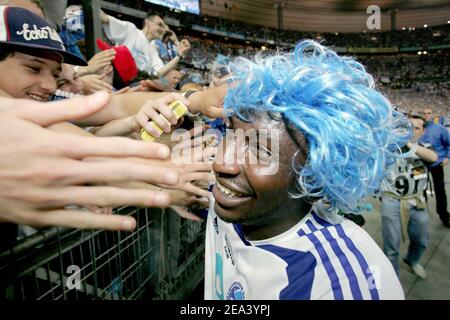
[
  {"x": 72, "y": 29},
  {"x": 173, "y": 78},
  {"x": 439, "y": 138},
  {"x": 146, "y": 55},
  {"x": 68, "y": 81},
  {"x": 403, "y": 196},
  {"x": 123, "y": 69},
  {"x": 37, "y": 60}
]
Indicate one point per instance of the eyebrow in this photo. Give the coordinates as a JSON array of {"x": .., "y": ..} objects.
[
  {"x": 40, "y": 61},
  {"x": 34, "y": 59}
]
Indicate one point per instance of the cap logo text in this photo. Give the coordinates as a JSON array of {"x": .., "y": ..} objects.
[{"x": 35, "y": 33}]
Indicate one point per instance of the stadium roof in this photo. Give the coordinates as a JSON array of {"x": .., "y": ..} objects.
[{"x": 330, "y": 15}]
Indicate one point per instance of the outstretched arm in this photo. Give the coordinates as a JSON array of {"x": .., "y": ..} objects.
[
  {"x": 42, "y": 171},
  {"x": 208, "y": 102},
  {"x": 425, "y": 154}
]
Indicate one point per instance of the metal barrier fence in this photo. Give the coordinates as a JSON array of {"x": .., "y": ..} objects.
[{"x": 162, "y": 259}]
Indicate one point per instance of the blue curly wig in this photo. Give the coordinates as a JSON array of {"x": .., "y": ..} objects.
[{"x": 353, "y": 133}]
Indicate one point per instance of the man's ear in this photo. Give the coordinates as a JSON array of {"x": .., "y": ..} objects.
[{"x": 294, "y": 188}]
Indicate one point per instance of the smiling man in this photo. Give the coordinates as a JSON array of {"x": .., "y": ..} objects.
[
  {"x": 273, "y": 231},
  {"x": 30, "y": 55}
]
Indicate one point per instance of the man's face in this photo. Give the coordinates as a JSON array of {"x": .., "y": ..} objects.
[
  {"x": 68, "y": 81},
  {"x": 427, "y": 114},
  {"x": 23, "y": 76},
  {"x": 218, "y": 77},
  {"x": 418, "y": 127},
  {"x": 173, "y": 78},
  {"x": 246, "y": 193},
  {"x": 155, "y": 28}
]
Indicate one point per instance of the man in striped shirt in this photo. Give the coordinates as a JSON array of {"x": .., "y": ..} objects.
[
  {"x": 308, "y": 135},
  {"x": 314, "y": 259}
]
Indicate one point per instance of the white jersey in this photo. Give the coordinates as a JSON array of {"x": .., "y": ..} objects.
[
  {"x": 315, "y": 259},
  {"x": 125, "y": 33},
  {"x": 407, "y": 179}
]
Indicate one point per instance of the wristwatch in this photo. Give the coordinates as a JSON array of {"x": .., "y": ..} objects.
[{"x": 186, "y": 95}]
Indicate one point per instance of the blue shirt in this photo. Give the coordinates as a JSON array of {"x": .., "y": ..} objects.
[
  {"x": 438, "y": 136},
  {"x": 71, "y": 39}
]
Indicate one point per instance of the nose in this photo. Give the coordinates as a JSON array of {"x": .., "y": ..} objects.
[
  {"x": 48, "y": 83},
  {"x": 226, "y": 161}
]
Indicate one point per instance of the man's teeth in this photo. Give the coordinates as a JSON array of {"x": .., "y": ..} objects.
[
  {"x": 228, "y": 192},
  {"x": 35, "y": 97}
]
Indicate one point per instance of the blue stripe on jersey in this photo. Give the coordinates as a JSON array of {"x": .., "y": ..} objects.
[
  {"x": 362, "y": 262},
  {"x": 334, "y": 279},
  {"x": 238, "y": 229},
  {"x": 353, "y": 281},
  {"x": 300, "y": 272},
  {"x": 351, "y": 246},
  {"x": 322, "y": 222}
]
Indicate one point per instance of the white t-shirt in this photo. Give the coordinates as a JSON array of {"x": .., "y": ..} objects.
[
  {"x": 408, "y": 178},
  {"x": 125, "y": 33},
  {"x": 315, "y": 259}
]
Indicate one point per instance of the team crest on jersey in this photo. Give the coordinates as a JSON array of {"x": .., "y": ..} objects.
[{"x": 236, "y": 291}]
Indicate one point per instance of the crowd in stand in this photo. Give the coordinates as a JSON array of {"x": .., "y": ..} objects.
[
  {"x": 417, "y": 37},
  {"x": 402, "y": 71},
  {"x": 413, "y": 82},
  {"x": 413, "y": 101},
  {"x": 410, "y": 80}
]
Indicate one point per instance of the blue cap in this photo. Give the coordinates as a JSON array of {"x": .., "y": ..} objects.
[{"x": 21, "y": 29}]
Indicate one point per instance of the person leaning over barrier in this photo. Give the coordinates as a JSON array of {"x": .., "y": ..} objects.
[
  {"x": 36, "y": 62},
  {"x": 273, "y": 231}
]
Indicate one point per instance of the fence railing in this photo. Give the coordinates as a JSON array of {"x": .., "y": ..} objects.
[{"x": 162, "y": 259}]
